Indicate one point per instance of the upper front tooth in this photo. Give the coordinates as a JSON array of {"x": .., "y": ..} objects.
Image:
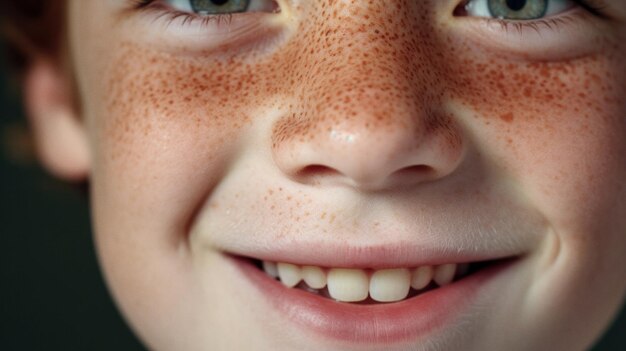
[
  {"x": 387, "y": 285},
  {"x": 421, "y": 277},
  {"x": 289, "y": 274},
  {"x": 444, "y": 274},
  {"x": 314, "y": 277},
  {"x": 352, "y": 285},
  {"x": 348, "y": 285}
]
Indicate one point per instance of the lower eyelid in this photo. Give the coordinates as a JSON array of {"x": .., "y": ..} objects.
[
  {"x": 573, "y": 34},
  {"x": 225, "y": 35}
]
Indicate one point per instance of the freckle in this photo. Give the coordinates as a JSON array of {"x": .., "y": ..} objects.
[
  {"x": 527, "y": 92},
  {"x": 507, "y": 117},
  {"x": 332, "y": 218}
]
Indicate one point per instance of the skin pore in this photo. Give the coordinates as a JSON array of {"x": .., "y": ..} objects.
[{"x": 358, "y": 124}]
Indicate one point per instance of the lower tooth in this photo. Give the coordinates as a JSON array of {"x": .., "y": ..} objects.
[{"x": 309, "y": 289}]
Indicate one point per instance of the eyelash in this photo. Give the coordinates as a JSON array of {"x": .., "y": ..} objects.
[
  {"x": 594, "y": 7},
  {"x": 171, "y": 14}
]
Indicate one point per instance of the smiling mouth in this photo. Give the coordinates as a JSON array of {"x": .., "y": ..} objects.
[
  {"x": 375, "y": 303},
  {"x": 370, "y": 286}
]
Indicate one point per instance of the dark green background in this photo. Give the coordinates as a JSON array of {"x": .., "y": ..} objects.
[{"x": 52, "y": 296}]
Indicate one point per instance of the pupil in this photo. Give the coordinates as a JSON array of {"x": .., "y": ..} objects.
[
  {"x": 516, "y": 5},
  {"x": 219, "y": 2}
]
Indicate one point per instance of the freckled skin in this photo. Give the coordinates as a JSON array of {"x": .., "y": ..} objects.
[{"x": 369, "y": 122}]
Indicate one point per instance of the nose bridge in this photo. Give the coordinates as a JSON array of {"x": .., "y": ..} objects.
[
  {"x": 368, "y": 69},
  {"x": 371, "y": 52},
  {"x": 366, "y": 103}
]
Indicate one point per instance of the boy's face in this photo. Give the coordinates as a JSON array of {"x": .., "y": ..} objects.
[{"x": 356, "y": 134}]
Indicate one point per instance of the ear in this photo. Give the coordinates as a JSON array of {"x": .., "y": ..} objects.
[{"x": 60, "y": 134}]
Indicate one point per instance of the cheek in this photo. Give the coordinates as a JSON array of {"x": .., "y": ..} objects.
[
  {"x": 165, "y": 131},
  {"x": 558, "y": 132},
  {"x": 168, "y": 118},
  {"x": 540, "y": 95},
  {"x": 558, "y": 129},
  {"x": 174, "y": 101},
  {"x": 568, "y": 114}
]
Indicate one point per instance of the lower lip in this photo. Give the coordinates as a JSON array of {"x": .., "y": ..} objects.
[{"x": 411, "y": 319}]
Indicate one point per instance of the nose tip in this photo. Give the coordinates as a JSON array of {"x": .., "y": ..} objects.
[{"x": 370, "y": 159}]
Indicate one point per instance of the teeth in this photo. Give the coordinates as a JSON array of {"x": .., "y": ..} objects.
[
  {"x": 348, "y": 285},
  {"x": 353, "y": 285},
  {"x": 388, "y": 285},
  {"x": 444, "y": 274},
  {"x": 271, "y": 269},
  {"x": 314, "y": 277},
  {"x": 289, "y": 274},
  {"x": 421, "y": 277}
]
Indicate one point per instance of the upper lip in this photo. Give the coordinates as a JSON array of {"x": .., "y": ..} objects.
[
  {"x": 439, "y": 225},
  {"x": 389, "y": 246},
  {"x": 374, "y": 257},
  {"x": 383, "y": 236}
]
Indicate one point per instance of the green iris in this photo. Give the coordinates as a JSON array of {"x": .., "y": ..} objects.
[
  {"x": 215, "y": 7},
  {"x": 518, "y": 9}
]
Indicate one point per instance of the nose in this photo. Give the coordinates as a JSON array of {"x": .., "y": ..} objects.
[
  {"x": 398, "y": 152},
  {"x": 372, "y": 118}
]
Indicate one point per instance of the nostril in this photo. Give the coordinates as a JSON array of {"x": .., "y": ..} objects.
[
  {"x": 415, "y": 170},
  {"x": 421, "y": 172},
  {"x": 314, "y": 171}
]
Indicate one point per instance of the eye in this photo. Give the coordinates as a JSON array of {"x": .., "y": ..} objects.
[
  {"x": 221, "y": 7},
  {"x": 522, "y": 10}
]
